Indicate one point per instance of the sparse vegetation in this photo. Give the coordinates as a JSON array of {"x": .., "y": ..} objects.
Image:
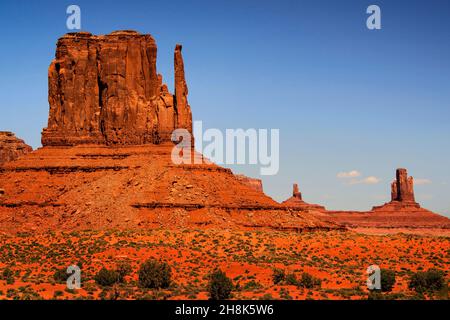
[
  {"x": 387, "y": 280},
  {"x": 8, "y": 275},
  {"x": 154, "y": 274},
  {"x": 260, "y": 264},
  {"x": 278, "y": 276},
  {"x": 219, "y": 286},
  {"x": 107, "y": 278},
  {"x": 427, "y": 282},
  {"x": 308, "y": 281}
]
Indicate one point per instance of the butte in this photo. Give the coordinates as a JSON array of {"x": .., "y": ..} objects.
[
  {"x": 402, "y": 212},
  {"x": 106, "y": 156}
]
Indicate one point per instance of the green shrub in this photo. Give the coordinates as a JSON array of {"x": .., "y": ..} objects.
[
  {"x": 154, "y": 274},
  {"x": 278, "y": 276},
  {"x": 427, "y": 282},
  {"x": 308, "y": 281},
  {"x": 61, "y": 275},
  {"x": 387, "y": 280},
  {"x": 123, "y": 269},
  {"x": 219, "y": 286},
  {"x": 8, "y": 275},
  {"x": 291, "y": 279},
  {"x": 107, "y": 278}
]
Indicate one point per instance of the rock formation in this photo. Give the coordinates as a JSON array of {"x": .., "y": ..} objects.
[
  {"x": 296, "y": 193},
  {"x": 11, "y": 147},
  {"x": 106, "y": 161},
  {"x": 402, "y": 192},
  {"x": 296, "y": 201},
  {"x": 256, "y": 184},
  {"x": 401, "y": 212},
  {"x": 402, "y": 189},
  {"x": 106, "y": 90}
]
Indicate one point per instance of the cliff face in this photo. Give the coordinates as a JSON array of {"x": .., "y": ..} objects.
[
  {"x": 11, "y": 147},
  {"x": 402, "y": 189},
  {"x": 255, "y": 184},
  {"x": 106, "y": 90}
]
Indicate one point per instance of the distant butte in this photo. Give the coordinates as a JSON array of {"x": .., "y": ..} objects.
[
  {"x": 401, "y": 212},
  {"x": 297, "y": 201},
  {"x": 11, "y": 147}
]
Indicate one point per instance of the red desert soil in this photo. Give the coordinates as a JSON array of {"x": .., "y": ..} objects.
[{"x": 339, "y": 259}]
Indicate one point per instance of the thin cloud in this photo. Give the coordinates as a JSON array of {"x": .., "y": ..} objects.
[
  {"x": 419, "y": 182},
  {"x": 368, "y": 180},
  {"x": 349, "y": 174}
]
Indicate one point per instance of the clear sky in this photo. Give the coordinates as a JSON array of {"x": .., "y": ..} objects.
[{"x": 345, "y": 98}]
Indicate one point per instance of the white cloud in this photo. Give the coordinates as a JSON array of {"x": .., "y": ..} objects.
[
  {"x": 350, "y": 174},
  {"x": 368, "y": 180},
  {"x": 419, "y": 182},
  {"x": 371, "y": 180}
]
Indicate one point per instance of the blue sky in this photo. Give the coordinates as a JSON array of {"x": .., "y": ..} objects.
[{"x": 344, "y": 97}]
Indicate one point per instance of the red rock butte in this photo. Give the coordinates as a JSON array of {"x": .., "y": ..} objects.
[
  {"x": 401, "y": 212},
  {"x": 106, "y": 156},
  {"x": 106, "y": 90},
  {"x": 297, "y": 201}
]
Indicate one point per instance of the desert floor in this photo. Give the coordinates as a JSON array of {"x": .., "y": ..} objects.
[{"x": 338, "y": 258}]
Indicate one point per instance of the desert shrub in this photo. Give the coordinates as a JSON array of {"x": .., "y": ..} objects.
[
  {"x": 8, "y": 275},
  {"x": 61, "y": 275},
  {"x": 252, "y": 285},
  {"x": 291, "y": 279},
  {"x": 387, "y": 280},
  {"x": 106, "y": 277},
  {"x": 308, "y": 281},
  {"x": 219, "y": 286},
  {"x": 154, "y": 274},
  {"x": 123, "y": 269},
  {"x": 428, "y": 281},
  {"x": 278, "y": 276}
]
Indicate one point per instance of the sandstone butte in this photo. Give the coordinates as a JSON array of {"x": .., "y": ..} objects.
[
  {"x": 105, "y": 161},
  {"x": 402, "y": 212}
]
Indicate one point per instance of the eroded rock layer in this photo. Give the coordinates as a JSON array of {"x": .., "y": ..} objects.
[
  {"x": 11, "y": 147},
  {"x": 251, "y": 182},
  {"x": 128, "y": 187}
]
